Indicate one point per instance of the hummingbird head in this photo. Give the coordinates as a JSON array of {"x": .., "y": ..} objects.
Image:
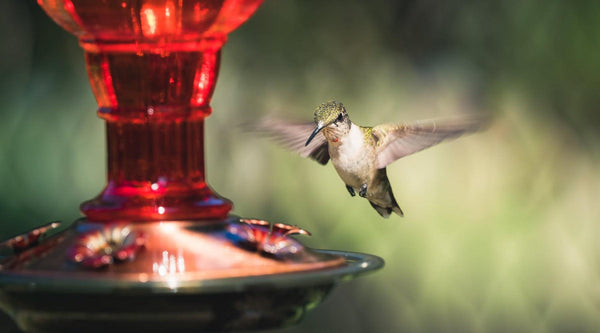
[{"x": 329, "y": 114}]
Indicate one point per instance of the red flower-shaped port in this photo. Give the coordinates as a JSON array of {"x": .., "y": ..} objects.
[
  {"x": 28, "y": 239},
  {"x": 261, "y": 236},
  {"x": 102, "y": 247}
]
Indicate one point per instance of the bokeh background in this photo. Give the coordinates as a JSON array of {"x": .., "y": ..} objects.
[{"x": 501, "y": 228}]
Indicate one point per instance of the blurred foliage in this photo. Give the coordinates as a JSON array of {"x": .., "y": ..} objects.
[{"x": 500, "y": 231}]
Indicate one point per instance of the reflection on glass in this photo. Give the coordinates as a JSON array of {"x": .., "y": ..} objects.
[{"x": 169, "y": 264}]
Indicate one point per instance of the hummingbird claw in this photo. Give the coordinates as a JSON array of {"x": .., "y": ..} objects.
[
  {"x": 363, "y": 190},
  {"x": 350, "y": 190}
]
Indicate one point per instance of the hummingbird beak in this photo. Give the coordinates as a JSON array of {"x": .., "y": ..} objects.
[{"x": 315, "y": 132}]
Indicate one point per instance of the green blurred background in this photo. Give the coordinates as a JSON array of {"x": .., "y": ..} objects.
[{"x": 501, "y": 227}]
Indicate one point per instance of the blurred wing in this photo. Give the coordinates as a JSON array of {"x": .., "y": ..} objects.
[
  {"x": 293, "y": 136},
  {"x": 395, "y": 141}
]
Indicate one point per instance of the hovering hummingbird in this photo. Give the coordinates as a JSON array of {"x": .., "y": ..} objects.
[{"x": 360, "y": 154}]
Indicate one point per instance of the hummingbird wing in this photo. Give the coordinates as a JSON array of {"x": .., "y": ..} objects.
[
  {"x": 395, "y": 141},
  {"x": 293, "y": 136}
]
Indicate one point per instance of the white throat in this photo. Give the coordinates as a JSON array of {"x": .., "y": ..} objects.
[{"x": 351, "y": 144}]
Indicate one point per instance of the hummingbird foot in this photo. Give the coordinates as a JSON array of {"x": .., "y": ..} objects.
[
  {"x": 350, "y": 190},
  {"x": 363, "y": 191}
]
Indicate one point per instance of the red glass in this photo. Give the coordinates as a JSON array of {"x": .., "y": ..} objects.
[{"x": 153, "y": 66}]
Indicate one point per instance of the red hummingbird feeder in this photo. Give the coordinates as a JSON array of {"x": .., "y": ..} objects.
[{"x": 158, "y": 250}]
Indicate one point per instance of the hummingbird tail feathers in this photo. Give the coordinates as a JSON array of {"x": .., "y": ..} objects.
[
  {"x": 385, "y": 212},
  {"x": 398, "y": 210}
]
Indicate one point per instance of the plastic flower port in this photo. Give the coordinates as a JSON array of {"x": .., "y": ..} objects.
[
  {"x": 272, "y": 240},
  {"x": 102, "y": 247},
  {"x": 28, "y": 239}
]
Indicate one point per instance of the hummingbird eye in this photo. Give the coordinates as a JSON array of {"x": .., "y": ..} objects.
[{"x": 339, "y": 118}]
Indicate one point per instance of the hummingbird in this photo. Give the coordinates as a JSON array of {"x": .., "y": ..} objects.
[{"x": 360, "y": 154}]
